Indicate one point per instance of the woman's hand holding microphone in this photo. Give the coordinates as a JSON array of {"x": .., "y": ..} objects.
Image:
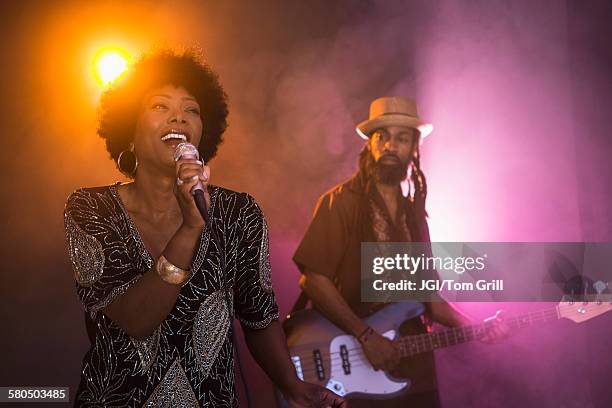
[{"x": 190, "y": 172}]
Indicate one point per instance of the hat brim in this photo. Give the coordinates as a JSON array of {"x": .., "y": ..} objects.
[{"x": 365, "y": 128}]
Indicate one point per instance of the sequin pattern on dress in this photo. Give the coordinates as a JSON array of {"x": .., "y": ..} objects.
[
  {"x": 85, "y": 252},
  {"x": 210, "y": 330},
  {"x": 147, "y": 349},
  {"x": 265, "y": 275},
  {"x": 173, "y": 391}
]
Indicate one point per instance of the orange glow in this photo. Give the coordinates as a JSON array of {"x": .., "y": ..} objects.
[
  {"x": 109, "y": 64},
  {"x": 65, "y": 53}
]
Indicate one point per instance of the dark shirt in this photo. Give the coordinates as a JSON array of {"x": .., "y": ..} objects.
[
  {"x": 188, "y": 360},
  {"x": 345, "y": 216}
]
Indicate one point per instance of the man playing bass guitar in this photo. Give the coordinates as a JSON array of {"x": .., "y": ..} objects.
[{"x": 370, "y": 207}]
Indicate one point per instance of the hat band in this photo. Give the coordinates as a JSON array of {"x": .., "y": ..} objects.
[{"x": 396, "y": 113}]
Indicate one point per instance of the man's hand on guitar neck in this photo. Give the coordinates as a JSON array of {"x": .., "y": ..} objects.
[
  {"x": 496, "y": 329},
  {"x": 381, "y": 352}
]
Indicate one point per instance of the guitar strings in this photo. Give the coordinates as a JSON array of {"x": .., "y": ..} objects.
[
  {"x": 307, "y": 365},
  {"x": 420, "y": 340},
  {"x": 425, "y": 340}
]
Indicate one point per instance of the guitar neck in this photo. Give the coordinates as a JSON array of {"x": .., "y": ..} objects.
[{"x": 415, "y": 344}]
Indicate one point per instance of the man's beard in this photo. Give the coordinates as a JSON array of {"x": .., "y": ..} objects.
[{"x": 390, "y": 172}]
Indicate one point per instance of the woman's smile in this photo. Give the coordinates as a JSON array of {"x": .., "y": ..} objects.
[{"x": 170, "y": 115}]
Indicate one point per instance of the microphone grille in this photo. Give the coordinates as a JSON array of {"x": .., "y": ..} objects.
[{"x": 185, "y": 150}]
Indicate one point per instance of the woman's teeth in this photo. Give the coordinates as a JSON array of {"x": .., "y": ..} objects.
[{"x": 178, "y": 136}]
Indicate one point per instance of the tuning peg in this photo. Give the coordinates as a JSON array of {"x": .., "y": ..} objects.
[{"x": 600, "y": 286}]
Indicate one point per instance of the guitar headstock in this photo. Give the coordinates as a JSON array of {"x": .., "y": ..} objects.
[{"x": 581, "y": 311}]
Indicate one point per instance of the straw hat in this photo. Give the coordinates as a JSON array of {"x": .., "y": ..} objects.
[{"x": 393, "y": 111}]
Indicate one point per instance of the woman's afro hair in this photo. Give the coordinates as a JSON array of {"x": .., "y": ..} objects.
[{"x": 120, "y": 104}]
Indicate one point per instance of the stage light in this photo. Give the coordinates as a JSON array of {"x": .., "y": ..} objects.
[{"x": 109, "y": 64}]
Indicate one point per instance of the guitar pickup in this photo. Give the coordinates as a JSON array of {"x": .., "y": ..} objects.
[
  {"x": 318, "y": 360},
  {"x": 346, "y": 365},
  {"x": 298, "y": 367}
]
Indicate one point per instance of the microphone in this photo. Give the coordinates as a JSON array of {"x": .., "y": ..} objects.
[{"x": 186, "y": 150}]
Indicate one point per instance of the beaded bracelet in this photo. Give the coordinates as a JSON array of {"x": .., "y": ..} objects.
[{"x": 365, "y": 335}]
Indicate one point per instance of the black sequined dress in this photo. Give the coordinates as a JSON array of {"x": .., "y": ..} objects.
[{"x": 187, "y": 361}]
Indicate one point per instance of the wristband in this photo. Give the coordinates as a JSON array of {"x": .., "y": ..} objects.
[{"x": 365, "y": 335}]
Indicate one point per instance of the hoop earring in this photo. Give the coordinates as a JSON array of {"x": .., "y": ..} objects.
[{"x": 127, "y": 162}]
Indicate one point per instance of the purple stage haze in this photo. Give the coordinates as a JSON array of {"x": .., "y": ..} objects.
[{"x": 519, "y": 93}]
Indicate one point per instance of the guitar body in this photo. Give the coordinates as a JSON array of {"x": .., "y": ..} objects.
[{"x": 325, "y": 355}]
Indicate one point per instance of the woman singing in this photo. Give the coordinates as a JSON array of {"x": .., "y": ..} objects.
[{"x": 159, "y": 285}]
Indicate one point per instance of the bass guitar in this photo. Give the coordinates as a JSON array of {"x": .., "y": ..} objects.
[{"x": 323, "y": 354}]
